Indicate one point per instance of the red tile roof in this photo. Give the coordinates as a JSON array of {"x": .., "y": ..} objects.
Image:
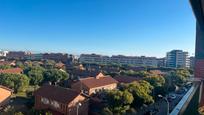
[
  {"x": 12, "y": 70},
  {"x": 92, "y": 82},
  {"x": 126, "y": 79},
  {"x": 157, "y": 72},
  {"x": 59, "y": 65},
  {"x": 5, "y": 93},
  {"x": 60, "y": 94}
]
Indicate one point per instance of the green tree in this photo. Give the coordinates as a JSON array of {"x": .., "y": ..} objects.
[
  {"x": 18, "y": 82},
  {"x": 106, "y": 111},
  {"x": 178, "y": 77},
  {"x": 36, "y": 75},
  {"x": 20, "y": 64},
  {"x": 39, "y": 112},
  {"x": 134, "y": 73},
  {"x": 49, "y": 64},
  {"x": 5, "y": 66},
  {"x": 18, "y": 113},
  {"x": 132, "y": 111},
  {"x": 141, "y": 92},
  {"x": 55, "y": 75},
  {"x": 119, "y": 101},
  {"x": 158, "y": 82},
  {"x": 48, "y": 113}
]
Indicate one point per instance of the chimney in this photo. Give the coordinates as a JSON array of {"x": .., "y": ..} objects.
[{"x": 99, "y": 75}]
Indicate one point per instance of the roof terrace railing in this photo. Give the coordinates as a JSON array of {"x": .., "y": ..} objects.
[{"x": 181, "y": 106}]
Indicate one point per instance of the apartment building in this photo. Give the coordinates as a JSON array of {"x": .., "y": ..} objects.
[
  {"x": 178, "y": 59},
  {"x": 161, "y": 62},
  {"x": 56, "y": 57},
  {"x": 134, "y": 60},
  {"x": 119, "y": 59},
  {"x": 32, "y": 56},
  {"x": 94, "y": 58},
  {"x": 19, "y": 55}
]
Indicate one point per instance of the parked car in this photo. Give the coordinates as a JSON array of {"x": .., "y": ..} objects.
[
  {"x": 182, "y": 90},
  {"x": 189, "y": 84},
  {"x": 185, "y": 89},
  {"x": 172, "y": 96}
]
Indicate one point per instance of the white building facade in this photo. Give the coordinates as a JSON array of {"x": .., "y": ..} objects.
[
  {"x": 177, "y": 59},
  {"x": 3, "y": 53},
  {"x": 119, "y": 59}
]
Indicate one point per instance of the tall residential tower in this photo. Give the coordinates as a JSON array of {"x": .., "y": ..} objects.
[{"x": 177, "y": 59}]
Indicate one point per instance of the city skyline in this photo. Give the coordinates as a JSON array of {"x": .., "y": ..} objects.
[
  {"x": 75, "y": 54},
  {"x": 105, "y": 27}
]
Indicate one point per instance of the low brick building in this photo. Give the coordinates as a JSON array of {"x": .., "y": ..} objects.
[
  {"x": 60, "y": 101},
  {"x": 58, "y": 57},
  {"x": 5, "y": 94},
  {"x": 91, "y": 85},
  {"x": 17, "y": 55}
]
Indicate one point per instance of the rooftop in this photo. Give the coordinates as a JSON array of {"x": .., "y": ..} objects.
[
  {"x": 98, "y": 81},
  {"x": 5, "y": 93},
  {"x": 60, "y": 94}
]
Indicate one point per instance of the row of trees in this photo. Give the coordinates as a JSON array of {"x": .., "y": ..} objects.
[
  {"x": 136, "y": 94},
  {"x": 39, "y": 75},
  {"x": 135, "y": 73},
  {"x": 129, "y": 95},
  {"x": 176, "y": 78},
  {"x": 34, "y": 74},
  {"x": 32, "y": 111}
]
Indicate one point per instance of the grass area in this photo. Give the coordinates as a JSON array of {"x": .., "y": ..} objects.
[
  {"x": 27, "y": 89},
  {"x": 20, "y": 94}
]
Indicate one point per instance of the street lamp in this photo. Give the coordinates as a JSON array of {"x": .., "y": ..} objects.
[
  {"x": 78, "y": 105},
  {"x": 160, "y": 96}
]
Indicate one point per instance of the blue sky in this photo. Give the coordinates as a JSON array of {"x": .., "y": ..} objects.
[{"x": 129, "y": 27}]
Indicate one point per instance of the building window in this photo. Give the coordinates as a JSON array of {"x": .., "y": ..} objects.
[
  {"x": 55, "y": 104},
  {"x": 45, "y": 101}
]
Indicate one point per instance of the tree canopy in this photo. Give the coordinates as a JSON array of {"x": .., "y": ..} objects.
[
  {"x": 134, "y": 73},
  {"x": 119, "y": 101},
  {"x": 5, "y": 66},
  {"x": 141, "y": 92},
  {"x": 178, "y": 77},
  {"x": 18, "y": 82},
  {"x": 35, "y": 74},
  {"x": 158, "y": 82},
  {"x": 55, "y": 75}
]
